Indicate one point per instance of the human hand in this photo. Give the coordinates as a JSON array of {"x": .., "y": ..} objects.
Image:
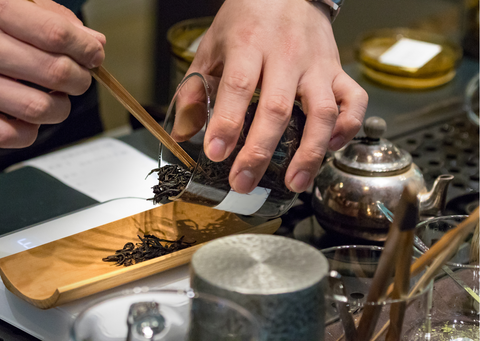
[
  {"x": 288, "y": 47},
  {"x": 46, "y": 44}
]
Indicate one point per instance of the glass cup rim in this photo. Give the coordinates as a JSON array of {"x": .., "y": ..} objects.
[
  {"x": 207, "y": 87},
  {"x": 173, "y": 102},
  {"x": 445, "y": 217},
  {"x": 186, "y": 293},
  {"x": 470, "y": 90},
  {"x": 384, "y": 302}
]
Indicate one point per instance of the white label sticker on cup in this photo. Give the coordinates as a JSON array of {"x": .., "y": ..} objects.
[
  {"x": 244, "y": 203},
  {"x": 410, "y": 53}
]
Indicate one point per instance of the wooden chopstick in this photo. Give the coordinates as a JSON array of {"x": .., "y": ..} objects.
[
  {"x": 430, "y": 273},
  {"x": 378, "y": 287},
  {"x": 131, "y": 104},
  {"x": 405, "y": 219},
  {"x": 428, "y": 257},
  {"x": 401, "y": 283},
  {"x": 450, "y": 241},
  {"x": 438, "y": 257}
]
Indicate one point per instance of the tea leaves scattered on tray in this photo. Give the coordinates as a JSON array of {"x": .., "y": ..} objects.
[{"x": 150, "y": 247}]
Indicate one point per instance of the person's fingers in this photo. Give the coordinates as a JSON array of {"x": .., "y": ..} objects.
[
  {"x": 57, "y": 8},
  {"x": 97, "y": 35},
  {"x": 16, "y": 133},
  {"x": 191, "y": 97},
  {"x": 60, "y": 9},
  {"x": 240, "y": 76},
  {"x": 19, "y": 60},
  {"x": 319, "y": 105},
  {"x": 190, "y": 109},
  {"x": 32, "y": 105},
  {"x": 273, "y": 113},
  {"x": 50, "y": 32},
  {"x": 353, "y": 104}
]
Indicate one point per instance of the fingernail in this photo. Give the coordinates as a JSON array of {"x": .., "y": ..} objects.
[
  {"x": 216, "y": 149},
  {"x": 243, "y": 182},
  {"x": 98, "y": 58},
  {"x": 300, "y": 181},
  {"x": 94, "y": 64},
  {"x": 336, "y": 142}
]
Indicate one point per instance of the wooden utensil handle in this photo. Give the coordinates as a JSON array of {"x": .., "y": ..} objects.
[{"x": 131, "y": 104}]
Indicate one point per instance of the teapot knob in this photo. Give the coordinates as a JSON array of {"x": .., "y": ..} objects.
[{"x": 374, "y": 127}]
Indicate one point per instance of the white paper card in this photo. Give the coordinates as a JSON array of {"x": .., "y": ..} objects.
[
  {"x": 410, "y": 53},
  {"x": 71, "y": 224},
  {"x": 103, "y": 169},
  {"x": 244, "y": 203}
]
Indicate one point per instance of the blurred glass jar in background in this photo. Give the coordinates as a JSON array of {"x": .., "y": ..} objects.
[
  {"x": 407, "y": 58},
  {"x": 455, "y": 314},
  {"x": 472, "y": 100}
]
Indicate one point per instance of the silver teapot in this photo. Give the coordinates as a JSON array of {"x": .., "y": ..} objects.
[{"x": 368, "y": 170}]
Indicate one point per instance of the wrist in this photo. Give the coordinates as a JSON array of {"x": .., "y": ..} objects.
[{"x": 331, "y": 6}]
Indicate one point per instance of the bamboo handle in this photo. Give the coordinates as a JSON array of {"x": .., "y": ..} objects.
[
  {"x": 428, "y": 257},
  {"x": 405, "y": 220},
  {"x": 435, "y": 259},
  {"x": 401, "y": 285},
  {"x": 131, "y": 104}
]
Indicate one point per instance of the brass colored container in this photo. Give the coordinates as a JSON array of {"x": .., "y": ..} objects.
[{"x": 438, "y": 70}]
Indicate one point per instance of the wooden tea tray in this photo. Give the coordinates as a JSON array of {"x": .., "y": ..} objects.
[{"x": 72, "y": 267}]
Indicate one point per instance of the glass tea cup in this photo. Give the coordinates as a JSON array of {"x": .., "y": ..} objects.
[
  {"x": 191, "y": 110},
  {"x": 431, "y": 230},
  {"x": 455, "y": 313},
  {"x": 471, "y": 100},
  {"x": 354, "y": 267},
  {"x": 164, "y": 315}
]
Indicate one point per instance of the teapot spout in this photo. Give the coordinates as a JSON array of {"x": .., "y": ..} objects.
[{"x": 432, "y": 203}]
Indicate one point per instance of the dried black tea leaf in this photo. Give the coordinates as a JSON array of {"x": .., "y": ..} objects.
[
  {"x": 150, "y": 247},
  {"x": 215, "y": 174},
  {"x": 172, "y": 180}
]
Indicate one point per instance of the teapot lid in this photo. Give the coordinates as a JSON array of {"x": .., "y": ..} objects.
[{"x": 372, "y": 155}]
